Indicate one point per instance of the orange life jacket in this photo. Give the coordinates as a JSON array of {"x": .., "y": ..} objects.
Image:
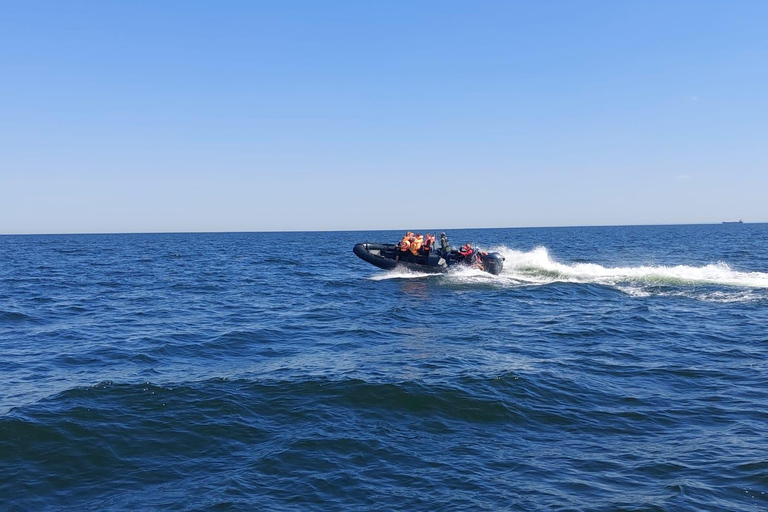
[
  {"x": 416, "y": 244},
  {"x": 428, "y": 241}
]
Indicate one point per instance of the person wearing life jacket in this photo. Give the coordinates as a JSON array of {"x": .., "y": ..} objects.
[
  {"x": 472, "y": 256},
  {"x": 416, "y": 243},
  {"x": 405, "y": 243},
  {"x": 466, "y": 250},
  {"x": 445, "y": 245},
  {"x": 428, "y": 241}
]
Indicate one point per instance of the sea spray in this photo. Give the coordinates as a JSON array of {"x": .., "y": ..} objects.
[
  {"x": 537, "y": 266},
  {"x": 716, "y": 282}
]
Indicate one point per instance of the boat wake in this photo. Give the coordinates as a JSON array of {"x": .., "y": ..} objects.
[
  {"x": 537, "y": 266},
  {"x": 715, "y": 282},
  {"x": 400, "y": 273}
]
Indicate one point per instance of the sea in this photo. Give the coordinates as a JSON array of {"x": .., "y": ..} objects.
[{"x": 605, "y": 369}]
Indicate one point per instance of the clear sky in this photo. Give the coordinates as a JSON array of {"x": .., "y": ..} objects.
[{"x": 312, "y": 115}]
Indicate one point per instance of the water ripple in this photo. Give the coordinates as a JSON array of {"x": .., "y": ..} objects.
[{"x": 616, "y": 369}]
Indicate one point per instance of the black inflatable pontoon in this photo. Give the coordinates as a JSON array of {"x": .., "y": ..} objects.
[{"x": 436, "y": 260}]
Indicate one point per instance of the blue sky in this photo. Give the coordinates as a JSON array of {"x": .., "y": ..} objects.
[{"x": 315, "y": 115}]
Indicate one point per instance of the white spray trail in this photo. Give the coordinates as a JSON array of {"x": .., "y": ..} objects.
[
  {"x": 537, "y": 266},
  {"x": 715, "y": 282},
  {"x": 400, "y": 273}
]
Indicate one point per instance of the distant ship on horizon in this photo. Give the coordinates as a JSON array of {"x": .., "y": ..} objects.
[{"x": 733, "y": 222}]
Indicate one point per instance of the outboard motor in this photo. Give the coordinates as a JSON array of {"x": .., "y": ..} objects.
[{"x": 493, "y": 263}]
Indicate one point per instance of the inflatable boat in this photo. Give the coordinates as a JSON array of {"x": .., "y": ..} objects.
[{"x": 433, "y": 260}]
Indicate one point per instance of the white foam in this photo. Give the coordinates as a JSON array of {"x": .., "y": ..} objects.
[
  {"x": 538, "y": 267},
  {"x": 399, "y": 273}
]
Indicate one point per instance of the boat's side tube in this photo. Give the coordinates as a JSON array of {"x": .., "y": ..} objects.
[{"x": 364, "y": 252}]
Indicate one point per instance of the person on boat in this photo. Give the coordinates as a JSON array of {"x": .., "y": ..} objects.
[
  {"x": 472, "y": 256},
  {"x": 429, "y": 241},
  {"x": 417, "y": 241},
  {"x": 445, "y": 245},
  {"x": 405, "y": 243}
]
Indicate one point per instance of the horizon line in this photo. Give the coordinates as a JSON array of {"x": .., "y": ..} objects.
[{"x": 363, "y": 229}]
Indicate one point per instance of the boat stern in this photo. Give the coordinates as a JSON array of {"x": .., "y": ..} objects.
[{"x": 493, "y": 263}]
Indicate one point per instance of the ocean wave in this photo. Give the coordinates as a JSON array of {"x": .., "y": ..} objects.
[
  {"x": 14, "y": 316},
  {"x": 233, "y": 386},
  {"x": 106, "y": 440}
]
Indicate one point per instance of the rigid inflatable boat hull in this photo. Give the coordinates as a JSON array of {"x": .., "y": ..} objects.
[
  {"x": 389, "y": 256},
  {"x": 386, "y": 256}
]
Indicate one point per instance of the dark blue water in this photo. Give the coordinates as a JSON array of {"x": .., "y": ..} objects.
[{"x": 606, "y": 369}]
